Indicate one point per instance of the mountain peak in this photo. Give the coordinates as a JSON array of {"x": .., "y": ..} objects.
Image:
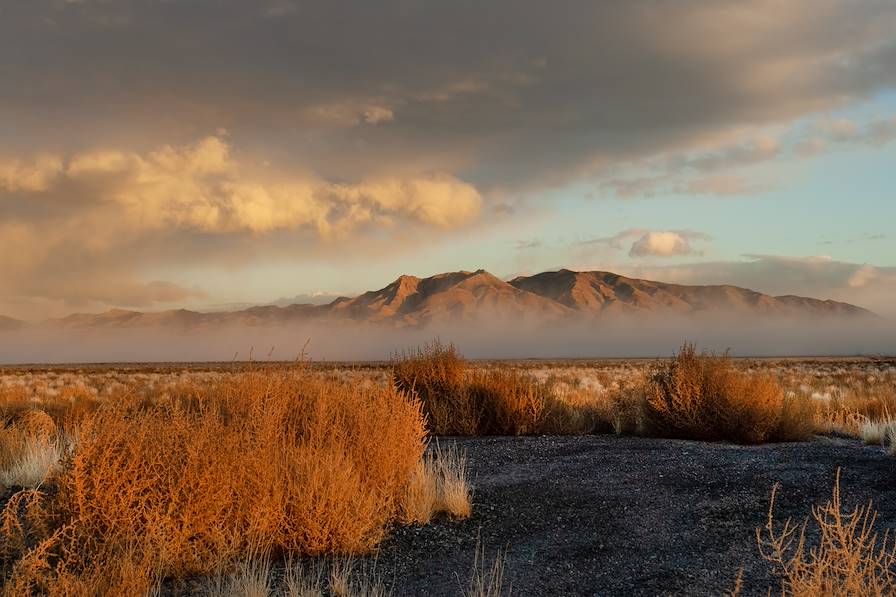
[{"x": 477, "y": 295}]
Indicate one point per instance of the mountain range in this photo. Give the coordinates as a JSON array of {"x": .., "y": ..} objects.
[{"x": 466, "y": 296}]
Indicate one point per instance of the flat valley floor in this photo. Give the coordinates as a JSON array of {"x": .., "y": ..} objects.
[{"x": 609, "y": 515}]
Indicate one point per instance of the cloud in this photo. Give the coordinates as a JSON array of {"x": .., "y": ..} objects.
[
  {"x": 599, "y": 84},
  {"x": 83, "y": 228},
  {"x": 863, "y": 276},
  {"x": 827, "y": 134},
  {"x": 724, "y": 184},
  {"x": 381, "y": 131},
  {"x": 378, "y": 114},
  {"x": 713, "y": 170},
  {"x": 810, "y": 147},
  {"x": 348, "y": 113},
  {"x": 855, "y": 239},
  {"x": 661, "y": 244},
  {"x": 650, "y": 243},
  {"x": 524, "y": 245},
  {"x": 203, "y": 187},
  {"x": 281, "y": 8},
  {"x": 29, "y": 176}
]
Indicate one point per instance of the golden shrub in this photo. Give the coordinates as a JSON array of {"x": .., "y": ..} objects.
[
  {"x": 705, "y": 397},
  {"x": 437, "y": 374},
  {"x": 276, "y": 462},
  {"x": 511, "y": 403},
  {"x": 37, "y": 423},
  {"x": 459, "y": 400}
]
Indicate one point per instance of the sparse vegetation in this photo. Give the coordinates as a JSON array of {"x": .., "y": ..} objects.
[
  {"x": 695, "y": 396},
  {"x": 850, "y": 557},
  {"x": 487, "y": 579}
]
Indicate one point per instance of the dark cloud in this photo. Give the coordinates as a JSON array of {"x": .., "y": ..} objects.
[{"x": 502, "y": 94}]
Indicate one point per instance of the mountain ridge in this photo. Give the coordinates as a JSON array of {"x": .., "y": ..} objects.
[{"x": 466, "y": 296}]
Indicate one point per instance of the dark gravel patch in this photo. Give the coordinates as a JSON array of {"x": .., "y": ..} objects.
[{"x": 606, "y": 515}]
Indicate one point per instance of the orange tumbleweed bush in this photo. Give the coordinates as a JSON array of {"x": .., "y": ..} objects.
[
  {"x": 459, "y": 400},
  {"x": 273, "y": 462},
  {"x": 705, "y": 397}
]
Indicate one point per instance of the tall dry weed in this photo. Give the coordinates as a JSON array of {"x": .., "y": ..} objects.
[{"x": 850, "y": 557}]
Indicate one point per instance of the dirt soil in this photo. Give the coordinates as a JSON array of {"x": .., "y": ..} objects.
[{"x": 606, "y": 515}]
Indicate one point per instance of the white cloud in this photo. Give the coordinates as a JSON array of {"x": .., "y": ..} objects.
[
  {"x": 650, "y": 243},
  {"x": 661, "y": 244},
  {"x": 862, "y": 276}
]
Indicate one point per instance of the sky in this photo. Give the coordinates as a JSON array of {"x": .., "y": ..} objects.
[{"x": 210, "y": 153}]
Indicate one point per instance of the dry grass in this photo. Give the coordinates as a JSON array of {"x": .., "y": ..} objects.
[
  {"x": 250, "y": 579},
  {"x": 453, "y": 488},
  {"x": 271, "y": 462},
  {"x": 299, "y": 582},
  {"x": 486, "y": 580},
  {"x": 877, "y": 432},
  {"x": 851, "y": 558},
  {"x": 438, "y": 485},
  {"x": 36, "y": 459},
  {"x": 705, "y": 397}
]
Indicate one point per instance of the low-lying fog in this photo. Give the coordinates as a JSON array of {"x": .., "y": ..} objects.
[{"x": 501, "y": 340}]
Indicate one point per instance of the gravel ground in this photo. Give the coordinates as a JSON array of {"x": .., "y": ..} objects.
[{"x": 606, "y": 515}]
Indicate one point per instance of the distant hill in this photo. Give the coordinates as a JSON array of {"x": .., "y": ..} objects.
[
  {"x": 470, "y": 296},
  {"x": 8, "y": 323},
  {"x": 605, "y": 292}
]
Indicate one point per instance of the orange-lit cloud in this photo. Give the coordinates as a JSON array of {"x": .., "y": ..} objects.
[
  {"x": 202, "y": 186},
  {"x": 77, "y": 226}
]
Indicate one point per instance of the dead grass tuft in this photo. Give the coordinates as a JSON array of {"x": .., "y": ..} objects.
[
  {"x": 36, "y": 459},
  {"x": 486, "y": 580},
  {"x": 438, "y": 485}
]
